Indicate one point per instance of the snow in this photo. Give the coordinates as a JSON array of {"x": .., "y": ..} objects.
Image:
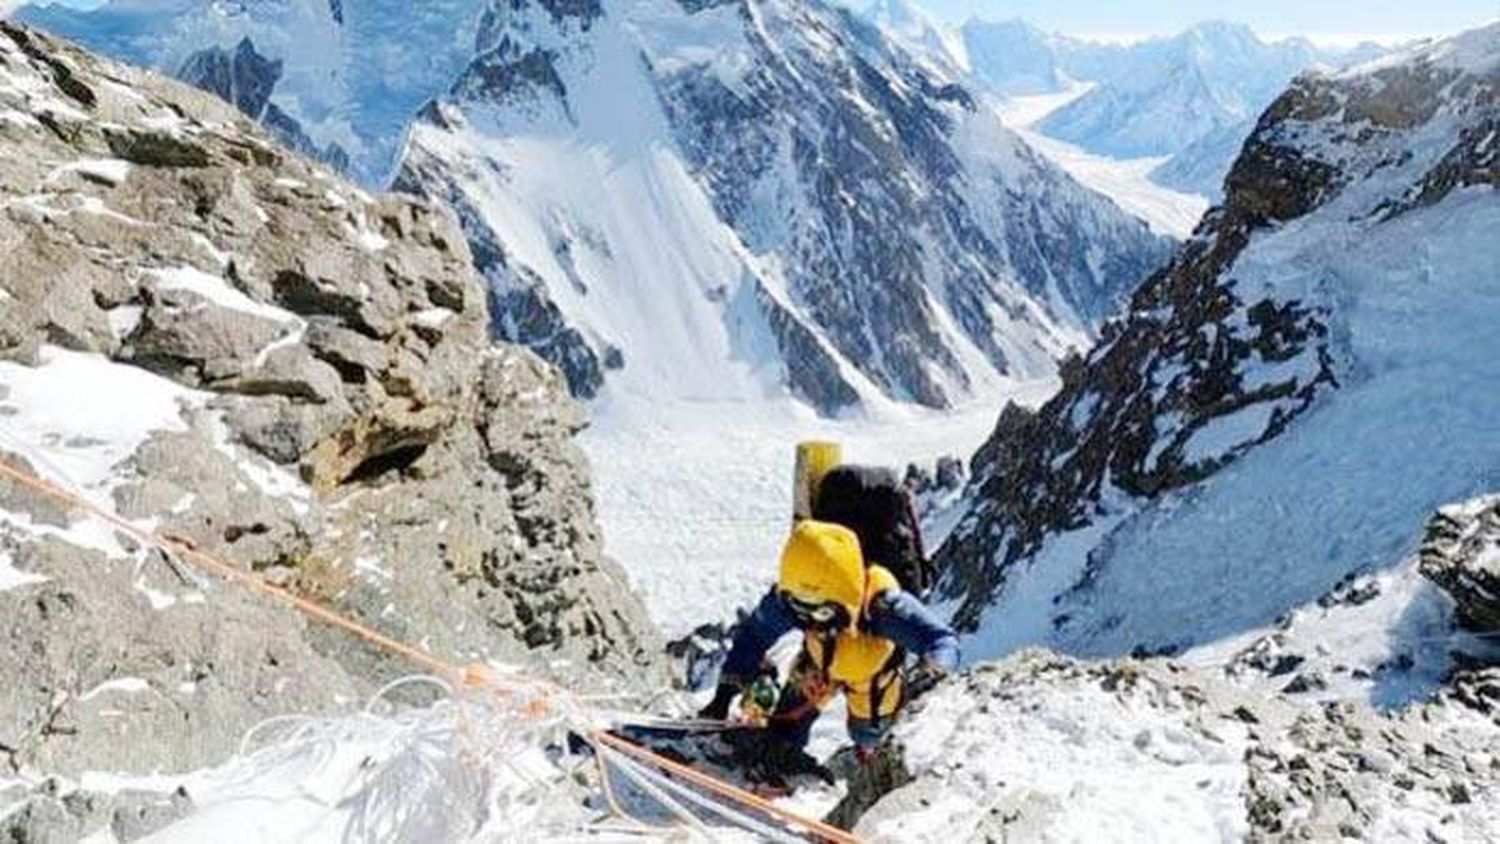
[
  {"x": 937, "y": 46},
  {"x": 110, "y": 170},
  {"x": 1224, "y": 433},
  {"x": 58, "y": 424},
  {"x": 1390, "y": 650},
  {"x": 432, "y": 317},
  {"x": 1126, "y": 181},
  {"x": 1475, "y": 51},
  {"x": 123, "y": 320},
  {"x": 120, "y": 685},
  {"x": 1116, "y": 764},
  {"x": 630, "y": 246},
  {"x": 12, "y": 577},
  {"x": 218, "y": 291}
]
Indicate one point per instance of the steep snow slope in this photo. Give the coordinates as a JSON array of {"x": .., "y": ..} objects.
[
  {"x": 791, "y": 202},
  {"x": 695, "y": 498},
  {"x": 1303, "y": 383},
  {"x": 1200, "y": 166},
  {"x": 354, "y": 71}
]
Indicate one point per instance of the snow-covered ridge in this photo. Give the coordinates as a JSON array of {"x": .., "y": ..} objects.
[{"x": 1283, "y": 403}]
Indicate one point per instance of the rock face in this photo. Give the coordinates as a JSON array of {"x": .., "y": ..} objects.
[
  {"x": 48, "y": 815},
  {"x": 1182, "y": 454},
  {"x": 1042, "y": 747},
  {"x": 822, "y": 209},
  {"x": 1461, "y": 554},
  {"x": 208, "y": 334}
]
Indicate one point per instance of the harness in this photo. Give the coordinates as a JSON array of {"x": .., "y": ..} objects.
[{"x": 865, "y": 666}]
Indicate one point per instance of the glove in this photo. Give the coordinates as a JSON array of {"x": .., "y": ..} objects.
[
  {"x": 759, "y": 701},
  {"x": 923, "y": 677},
  {"x": 718, "y": 708}
]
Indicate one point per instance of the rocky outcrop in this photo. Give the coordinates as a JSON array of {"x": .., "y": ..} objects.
[
  {"x": 1461, "y": 554},
  {"x": 52, "y": 814},
  {"x": 287, "y": 373},
  {"x": 1039, "y": 744}
]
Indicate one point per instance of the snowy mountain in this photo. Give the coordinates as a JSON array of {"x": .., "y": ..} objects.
[
  {"x": 925, "y": 39},
  {"x": 1013, "y": 57},
  {"x": 1192, "y": 98},
  {"x": 1156, "y": 97},
  {"x": 1303, "y": 383},
  {"x": 787, "y": 200},
  {"x": 1200, "y": 166},
  {"x": 826, "y": 215},
  {"x": 352, "y": 71}
]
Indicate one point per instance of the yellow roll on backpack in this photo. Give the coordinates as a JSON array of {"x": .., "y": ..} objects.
[{"x": 814, "y": 460}]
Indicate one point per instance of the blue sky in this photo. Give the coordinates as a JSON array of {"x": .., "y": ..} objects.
[{"x": 1336, "y": 19}]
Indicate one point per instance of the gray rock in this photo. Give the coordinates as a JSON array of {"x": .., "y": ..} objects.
[
  {"x": 290, "y": 371},
  {"x": 1461, "y": 554},
  {"x": 46, "y": 813},
  {"x": 188, "y": 338}
]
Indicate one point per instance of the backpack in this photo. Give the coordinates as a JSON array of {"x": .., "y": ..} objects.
[{"x": 873, "y": 503}]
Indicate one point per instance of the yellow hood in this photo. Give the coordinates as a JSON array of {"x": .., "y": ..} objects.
[{"x": 822, "y": 562}]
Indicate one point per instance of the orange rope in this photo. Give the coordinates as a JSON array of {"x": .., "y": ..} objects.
[
  {"x": 824, "y": 831},
  {"x": 471, "y": 675}
]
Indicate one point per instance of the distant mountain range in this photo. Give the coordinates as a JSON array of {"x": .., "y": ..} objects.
[{"x": 1192, "y": 98}]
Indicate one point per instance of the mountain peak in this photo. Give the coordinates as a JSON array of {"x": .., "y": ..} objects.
[
  {"x": 898, "y": 13},
  {"x": 1221, "y": 31}
]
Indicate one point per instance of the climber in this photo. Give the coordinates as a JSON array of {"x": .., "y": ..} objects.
[{"x": 859, "y": 629}]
